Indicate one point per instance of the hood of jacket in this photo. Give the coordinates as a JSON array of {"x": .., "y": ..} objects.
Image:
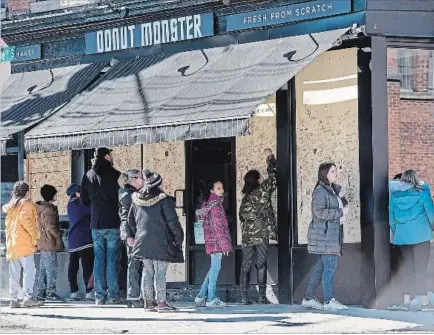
[
  {"x": 406, "y": 200},
  {"x": 9, "y": 207},
  {"x": 398, "y": 186},
  {"x": 146, "y": 200}
]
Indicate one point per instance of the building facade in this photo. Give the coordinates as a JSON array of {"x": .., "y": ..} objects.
[{"x": 197, "y": 90}]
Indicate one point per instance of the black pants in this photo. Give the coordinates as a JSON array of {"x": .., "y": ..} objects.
[
  {"x": 414, "y": 266},
  {"x": 123, "y": 268},
  {"x": 259, "y": 251},
  {"x": 86, "y": 256}
]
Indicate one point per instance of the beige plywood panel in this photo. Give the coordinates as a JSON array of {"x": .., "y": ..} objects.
[
  {"x": 52, "y": 168},
  {"x": 126, "y": 158},
  {"x": 250, "y": 154},
  {"x": 168, "y": 159},
  {"x": 327, "y": 131}
]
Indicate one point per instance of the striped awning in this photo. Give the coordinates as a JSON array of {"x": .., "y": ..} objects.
[
  {"x": 191, "y": 95},
  {"x": 30, "y": 97}
]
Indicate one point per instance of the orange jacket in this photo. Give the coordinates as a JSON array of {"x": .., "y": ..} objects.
[{"x": 22, "y": 232}]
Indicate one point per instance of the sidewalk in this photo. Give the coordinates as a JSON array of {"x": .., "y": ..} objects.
[{"x": 84, "y": 317}]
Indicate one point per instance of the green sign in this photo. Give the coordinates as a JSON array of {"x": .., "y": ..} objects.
[{"x": 7, "y": 54}]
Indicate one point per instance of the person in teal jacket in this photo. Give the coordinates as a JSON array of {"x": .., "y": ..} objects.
[{"x": 411, "y": 216}]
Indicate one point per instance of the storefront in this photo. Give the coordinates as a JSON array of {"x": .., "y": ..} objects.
[{"x": 199, "y": 94}]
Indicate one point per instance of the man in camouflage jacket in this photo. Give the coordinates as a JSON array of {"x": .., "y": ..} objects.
[{"x": 258, "y": 226}]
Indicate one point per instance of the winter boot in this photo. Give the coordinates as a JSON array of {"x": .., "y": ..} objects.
[{"x": 263, "y": 296}]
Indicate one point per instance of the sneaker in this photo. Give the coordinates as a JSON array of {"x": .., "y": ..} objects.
[
  {"x": 312, "y": 304},
  {"x": 200, "y": 301},
  {"x": 53, "y": 297},
  {"x": 334, "y": 305},
  {"x": 99, "y": 302},
  {"x": 150, "y": 305},
  {"x": 31, "y": 302},
  {"x": 76, "y": 296},
  {"x": 90, "y": 296},
  {"x": 134, "y": 304},
  {"x": 165, "y": 307},
  {"x": 14, "y": 304},
  {"x": 215, "y": 303}
]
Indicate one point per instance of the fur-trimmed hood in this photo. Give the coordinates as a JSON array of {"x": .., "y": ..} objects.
[
  {"x": 10, "y": 205},
  {"x": 140, "y": 199}
]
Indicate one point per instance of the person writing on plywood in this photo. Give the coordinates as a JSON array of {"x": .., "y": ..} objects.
[{"x": 258, "y": 226}]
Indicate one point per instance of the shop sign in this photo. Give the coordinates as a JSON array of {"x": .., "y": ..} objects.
[
  {"x": 150, "y": 33},
  {"x": 26, "y": 53},
  {"x": 288, "y": 14},
  {"x": 7, "y": 54},
  {"x": 20, "y": 54}
]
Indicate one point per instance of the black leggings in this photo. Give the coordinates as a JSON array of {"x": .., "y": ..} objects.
[
  {"x": 260, "y": 252},
  {"x": 414, "y": 266},
  {"x": 86, "y": 256}
]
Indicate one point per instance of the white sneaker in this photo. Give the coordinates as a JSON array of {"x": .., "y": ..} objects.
[
  {"x": 215, "y": 303},
  {"x": 312, "y": 304},
  {"x": 75, "y": 296},
  {"x": 200, "y": 302},
  {"x": 90, "y": 296},
  {"x": 334, "y": 305}
]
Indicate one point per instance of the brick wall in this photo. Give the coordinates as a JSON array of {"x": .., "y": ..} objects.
[
  {"x": 411, "y": 119},
  {"x": 411, "y": 135}
]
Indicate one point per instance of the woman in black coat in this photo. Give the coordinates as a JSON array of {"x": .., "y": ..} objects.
[
  {"x": 325, "y": 237},
  {"x": 158, "y": 238}
]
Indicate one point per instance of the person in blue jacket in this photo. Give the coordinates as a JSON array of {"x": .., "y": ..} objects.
[
  {"x": 80, "y": 243},
  {"x": 411, "y": 218}
]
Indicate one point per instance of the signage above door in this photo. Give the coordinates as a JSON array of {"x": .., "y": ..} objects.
[
  {"x": 287, "y": 14},
  {"x": 16, "y": 54},
  {"x": 150, "y": 33}
]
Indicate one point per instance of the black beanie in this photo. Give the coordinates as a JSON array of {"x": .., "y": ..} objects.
[{"x": 48, "y": 192}]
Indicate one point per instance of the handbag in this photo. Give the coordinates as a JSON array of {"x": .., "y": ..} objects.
[{"x": 199, "y": 233}]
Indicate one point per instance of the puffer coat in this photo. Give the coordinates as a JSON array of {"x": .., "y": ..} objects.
[
  {"x": 215, "y": 226},
  {"x": 156, "y": 227},
  {"x": 325, "y": 234},
  {"x": 21, "y": 229}
]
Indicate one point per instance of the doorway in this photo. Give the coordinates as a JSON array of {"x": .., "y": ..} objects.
[{"x": 208, "y": 161}]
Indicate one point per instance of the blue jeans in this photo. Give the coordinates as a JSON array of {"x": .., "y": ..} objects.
[
  {"x": 209, "y": 285},
  {"x": 106, "y": 244},
  {"x": 325, "y": 269}
]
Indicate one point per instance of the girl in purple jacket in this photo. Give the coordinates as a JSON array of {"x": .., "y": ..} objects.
[{"x": 217, "y": 243}]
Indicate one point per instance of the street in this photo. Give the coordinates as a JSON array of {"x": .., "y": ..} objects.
[{"x": 86, "y": 318}]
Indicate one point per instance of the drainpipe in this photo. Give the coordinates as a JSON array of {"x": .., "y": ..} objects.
[{"x": 21, "y": 155}]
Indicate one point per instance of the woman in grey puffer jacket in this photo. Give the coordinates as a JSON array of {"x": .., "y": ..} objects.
[{"x": 325, "y": 237}]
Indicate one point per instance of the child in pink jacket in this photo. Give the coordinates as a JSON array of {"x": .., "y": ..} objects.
[{"x": 217, "y": 243}]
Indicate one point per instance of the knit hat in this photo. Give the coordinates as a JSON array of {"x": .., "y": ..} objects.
[
  {"x": 72, "y": 190},
  {"x": 152, "y": 179},
  {"x": 48, "y": 192}
]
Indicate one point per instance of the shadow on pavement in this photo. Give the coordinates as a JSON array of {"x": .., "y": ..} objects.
[{"x": 224, "y": 319}]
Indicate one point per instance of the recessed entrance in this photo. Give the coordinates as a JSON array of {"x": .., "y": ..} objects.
[{"x": 208, "y": 161}]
